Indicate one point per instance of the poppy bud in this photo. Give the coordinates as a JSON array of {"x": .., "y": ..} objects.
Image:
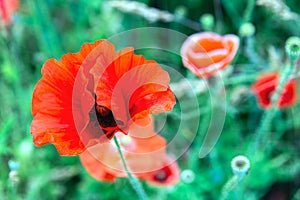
[
  {"x": 246, "y": 30},
  {"x": 207, "y": 21},
  {"x": 125, "y": 140},
  {"x": 240, "y": 165},
  {"x": 181, "y": 11}
]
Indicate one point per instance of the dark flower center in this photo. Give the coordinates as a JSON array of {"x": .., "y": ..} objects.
[
  {"x": 105, "y": 117},
  {"x": 106, "y": 120},
  {"x": 240, "y": 164},
  {"x": 161, "y": 176}
]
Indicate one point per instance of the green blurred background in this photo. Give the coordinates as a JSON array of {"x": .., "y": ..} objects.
[{"x": 43, "y": 29}]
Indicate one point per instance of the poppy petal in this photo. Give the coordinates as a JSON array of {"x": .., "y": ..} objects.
[
  {"x": 266, "y": 85},
  {"x": 95, "y": 168},
  {"x": 127, "y": 78},
  {"x": 52, "y": 103},
  {"x": 86, "y": 97},
  {"x": 168, "y": 175}
]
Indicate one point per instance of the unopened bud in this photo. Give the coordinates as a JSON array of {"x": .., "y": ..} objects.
[
  {"x": 207, "y": 21},
  {"x": 181, "y": 11},
  {"x": 247, "y": 30},
  {"x": 126, "y": 140}
]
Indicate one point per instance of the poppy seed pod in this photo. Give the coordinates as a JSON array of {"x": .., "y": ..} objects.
[
  {"x": 292, "y": 48},
  {"x": 187, "y": 176},
  {"x": 240, "y": 165}
]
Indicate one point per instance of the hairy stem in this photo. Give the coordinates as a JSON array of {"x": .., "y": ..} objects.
[
  {"x": 265, "y": 125},
  {"x": 137, "y": 186},
  {"x": 249, "y": 11},
  {"x": 229, "y": 186}
]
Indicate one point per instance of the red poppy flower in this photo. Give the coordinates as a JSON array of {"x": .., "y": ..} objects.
[
  {"x": 86, "y": 97},
  {"x": 7, "y": 8},
  {"x": 266, "y": 85},
  {"x": 146, "y": 158},
  {"x": 166, "y": 176},
  {"x": 206, "y": 53}
]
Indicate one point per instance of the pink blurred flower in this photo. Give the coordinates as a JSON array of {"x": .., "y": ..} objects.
[
  {"x": 207, "y": 53},
  {"x": 146, "y": 158},
  {"x": 7, "y": 9}
]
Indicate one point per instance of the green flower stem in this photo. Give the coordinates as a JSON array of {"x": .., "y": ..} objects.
[
  {"x": 219, "y": 15},
  {"x": 249, "y": 11},
  {"x": 252, "y": 54},
  {"x": 235, "y": 16},
  {"x": 137, "y": 186},
  {"x": 188, "y": 23},
  {"x": 240, "y": 79},
  {"x": 229, "y": 186},
  {"x": 265, "y": 125},
  {"x": 49, "y": 40}
]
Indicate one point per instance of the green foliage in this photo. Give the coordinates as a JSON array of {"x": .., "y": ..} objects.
[{"x": 51, "y": 28}]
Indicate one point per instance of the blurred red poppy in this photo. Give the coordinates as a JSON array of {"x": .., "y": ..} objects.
[
  {"x": 7, "y": 8},
  {"x": 85, "y": 98},
  {"x": 207, "y": 53},
  {"x": 266, "y": 85},
  {"x": 168, "y": 175},
  {"x": 146, "y": 158}
]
